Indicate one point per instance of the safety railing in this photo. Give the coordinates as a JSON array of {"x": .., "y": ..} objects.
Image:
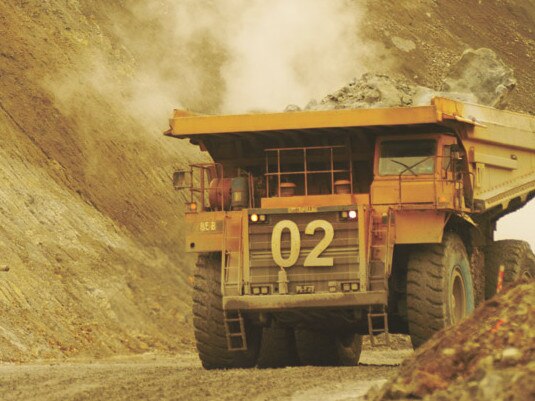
[
  {"x": 209, "y": 189},
  {"x": 328, "y": 162},
  {"x": 197, "y": 181}
]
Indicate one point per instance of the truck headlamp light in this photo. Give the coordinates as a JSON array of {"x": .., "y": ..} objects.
[
  {"x": 257, "y": 218},
  {"x": 348, "y": 215},
  {"x": 192, "y": 206}
]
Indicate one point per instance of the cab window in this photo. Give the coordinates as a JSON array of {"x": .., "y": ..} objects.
[{"x": 407, "y": 157}]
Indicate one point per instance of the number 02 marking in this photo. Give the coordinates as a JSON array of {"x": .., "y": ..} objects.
[
  {"x": 295, "y": 243},
  {"x": 313, "y": 258}
]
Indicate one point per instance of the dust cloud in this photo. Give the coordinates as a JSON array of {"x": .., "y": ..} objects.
[
  {"x": 229, "y": 56},
  {"x": 283, "y": 52},
  {"x": 243, "y": 55}
]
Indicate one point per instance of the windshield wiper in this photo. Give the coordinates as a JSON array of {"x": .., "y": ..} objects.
[
  {"x": 409, "y": 168},
  {"x": 404, "y": 165}
]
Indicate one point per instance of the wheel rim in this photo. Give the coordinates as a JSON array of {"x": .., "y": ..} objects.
[{"x": 458, "y": 296}]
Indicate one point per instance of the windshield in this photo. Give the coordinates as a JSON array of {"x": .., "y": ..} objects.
[{"x": 407, "y": 157}]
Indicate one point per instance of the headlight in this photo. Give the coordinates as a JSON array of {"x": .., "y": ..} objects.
[
  {"x": 349, "y": 215},
  {"x": 258, "y": 218}
]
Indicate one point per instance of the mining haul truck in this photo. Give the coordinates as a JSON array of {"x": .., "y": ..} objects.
[{"x": 315, "y": 228}]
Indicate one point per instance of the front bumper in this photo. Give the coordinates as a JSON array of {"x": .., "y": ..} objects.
[{"x": 284, "y": 302}]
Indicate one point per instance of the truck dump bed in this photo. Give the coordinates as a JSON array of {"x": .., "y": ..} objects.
[{"x": 499, "y": 145}]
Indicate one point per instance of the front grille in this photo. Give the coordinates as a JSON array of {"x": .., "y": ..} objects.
[{"x": 344, "y": 249}]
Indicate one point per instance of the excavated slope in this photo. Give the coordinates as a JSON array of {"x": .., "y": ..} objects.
[{"x": 89, "y": 225}]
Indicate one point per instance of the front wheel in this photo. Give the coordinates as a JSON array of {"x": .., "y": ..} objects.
[
  {"x": 440, "y": 291},
  {"x": 209, "y": 323}
]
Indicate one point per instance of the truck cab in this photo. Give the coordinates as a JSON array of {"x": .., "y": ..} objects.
[{"x": 418, "y": 170}]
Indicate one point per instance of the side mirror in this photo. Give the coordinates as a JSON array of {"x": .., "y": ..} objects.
[
  {"x": 180, "y": 180},
  {"x": 456, "y": 152}
]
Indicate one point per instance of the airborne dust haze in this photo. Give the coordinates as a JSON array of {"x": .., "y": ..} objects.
[
  {"x": 240, "y": 55},
  {"x": 229, "y": 56},
  {"x": 232, "y": 56}
]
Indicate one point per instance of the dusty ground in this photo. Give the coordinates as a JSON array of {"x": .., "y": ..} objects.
[{"x": 153, "y": 377}]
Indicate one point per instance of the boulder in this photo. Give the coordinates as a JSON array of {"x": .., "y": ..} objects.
[{"x": 481, "y": 73}]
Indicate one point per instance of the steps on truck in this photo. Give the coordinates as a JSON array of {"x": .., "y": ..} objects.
[
  {"x": 378, "y": 324},
  {"x": 235, "y": 331}
]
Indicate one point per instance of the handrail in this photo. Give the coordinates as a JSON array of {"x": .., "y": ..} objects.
[
  {"x": 203, "y": 187},
  {"x": 305, "y": 172}
]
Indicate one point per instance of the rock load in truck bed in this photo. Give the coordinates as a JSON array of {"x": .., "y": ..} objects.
[
  {"x": 478, "y": 77},
  {"x": 489, "y": 356}
]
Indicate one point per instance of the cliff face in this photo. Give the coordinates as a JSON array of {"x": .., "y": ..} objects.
[{"x": 89, "y": 224}]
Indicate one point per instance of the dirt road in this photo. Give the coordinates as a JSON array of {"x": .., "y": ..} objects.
[{"x": 155, "y": 377}]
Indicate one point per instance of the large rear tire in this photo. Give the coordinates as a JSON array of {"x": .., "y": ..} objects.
[
  {"x": 440, "y": 291},
  {"x": 278, "y": 349},
  {"x": 327, "y": 349},
  {"x": 517, "y": 258},
  {"x": 208, "y": 321}
]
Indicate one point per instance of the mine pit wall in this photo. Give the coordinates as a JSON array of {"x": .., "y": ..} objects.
[
  {"x": 89, "y": 223},
  {"x": 73, "y": 266}
]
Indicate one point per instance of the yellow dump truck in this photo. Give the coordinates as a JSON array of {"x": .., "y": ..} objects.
[{"x": 315, "y": 228}]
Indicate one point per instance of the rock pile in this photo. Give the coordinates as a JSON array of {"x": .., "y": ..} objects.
[
  {"x": 489, "y": 356},
  {"x": 371, "y": 91},
  {"x": 478, "y": 77}
]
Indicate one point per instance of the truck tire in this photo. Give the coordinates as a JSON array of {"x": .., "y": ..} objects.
[
  {"x": 517, "y": 258},
  {"x": 440, "y": 291},
  {"x": 325, "y": 349},
  {"x": 278, "y": 349},
  {"x": 349, "y": 348},
  {"x": 208, "y": 321}
]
